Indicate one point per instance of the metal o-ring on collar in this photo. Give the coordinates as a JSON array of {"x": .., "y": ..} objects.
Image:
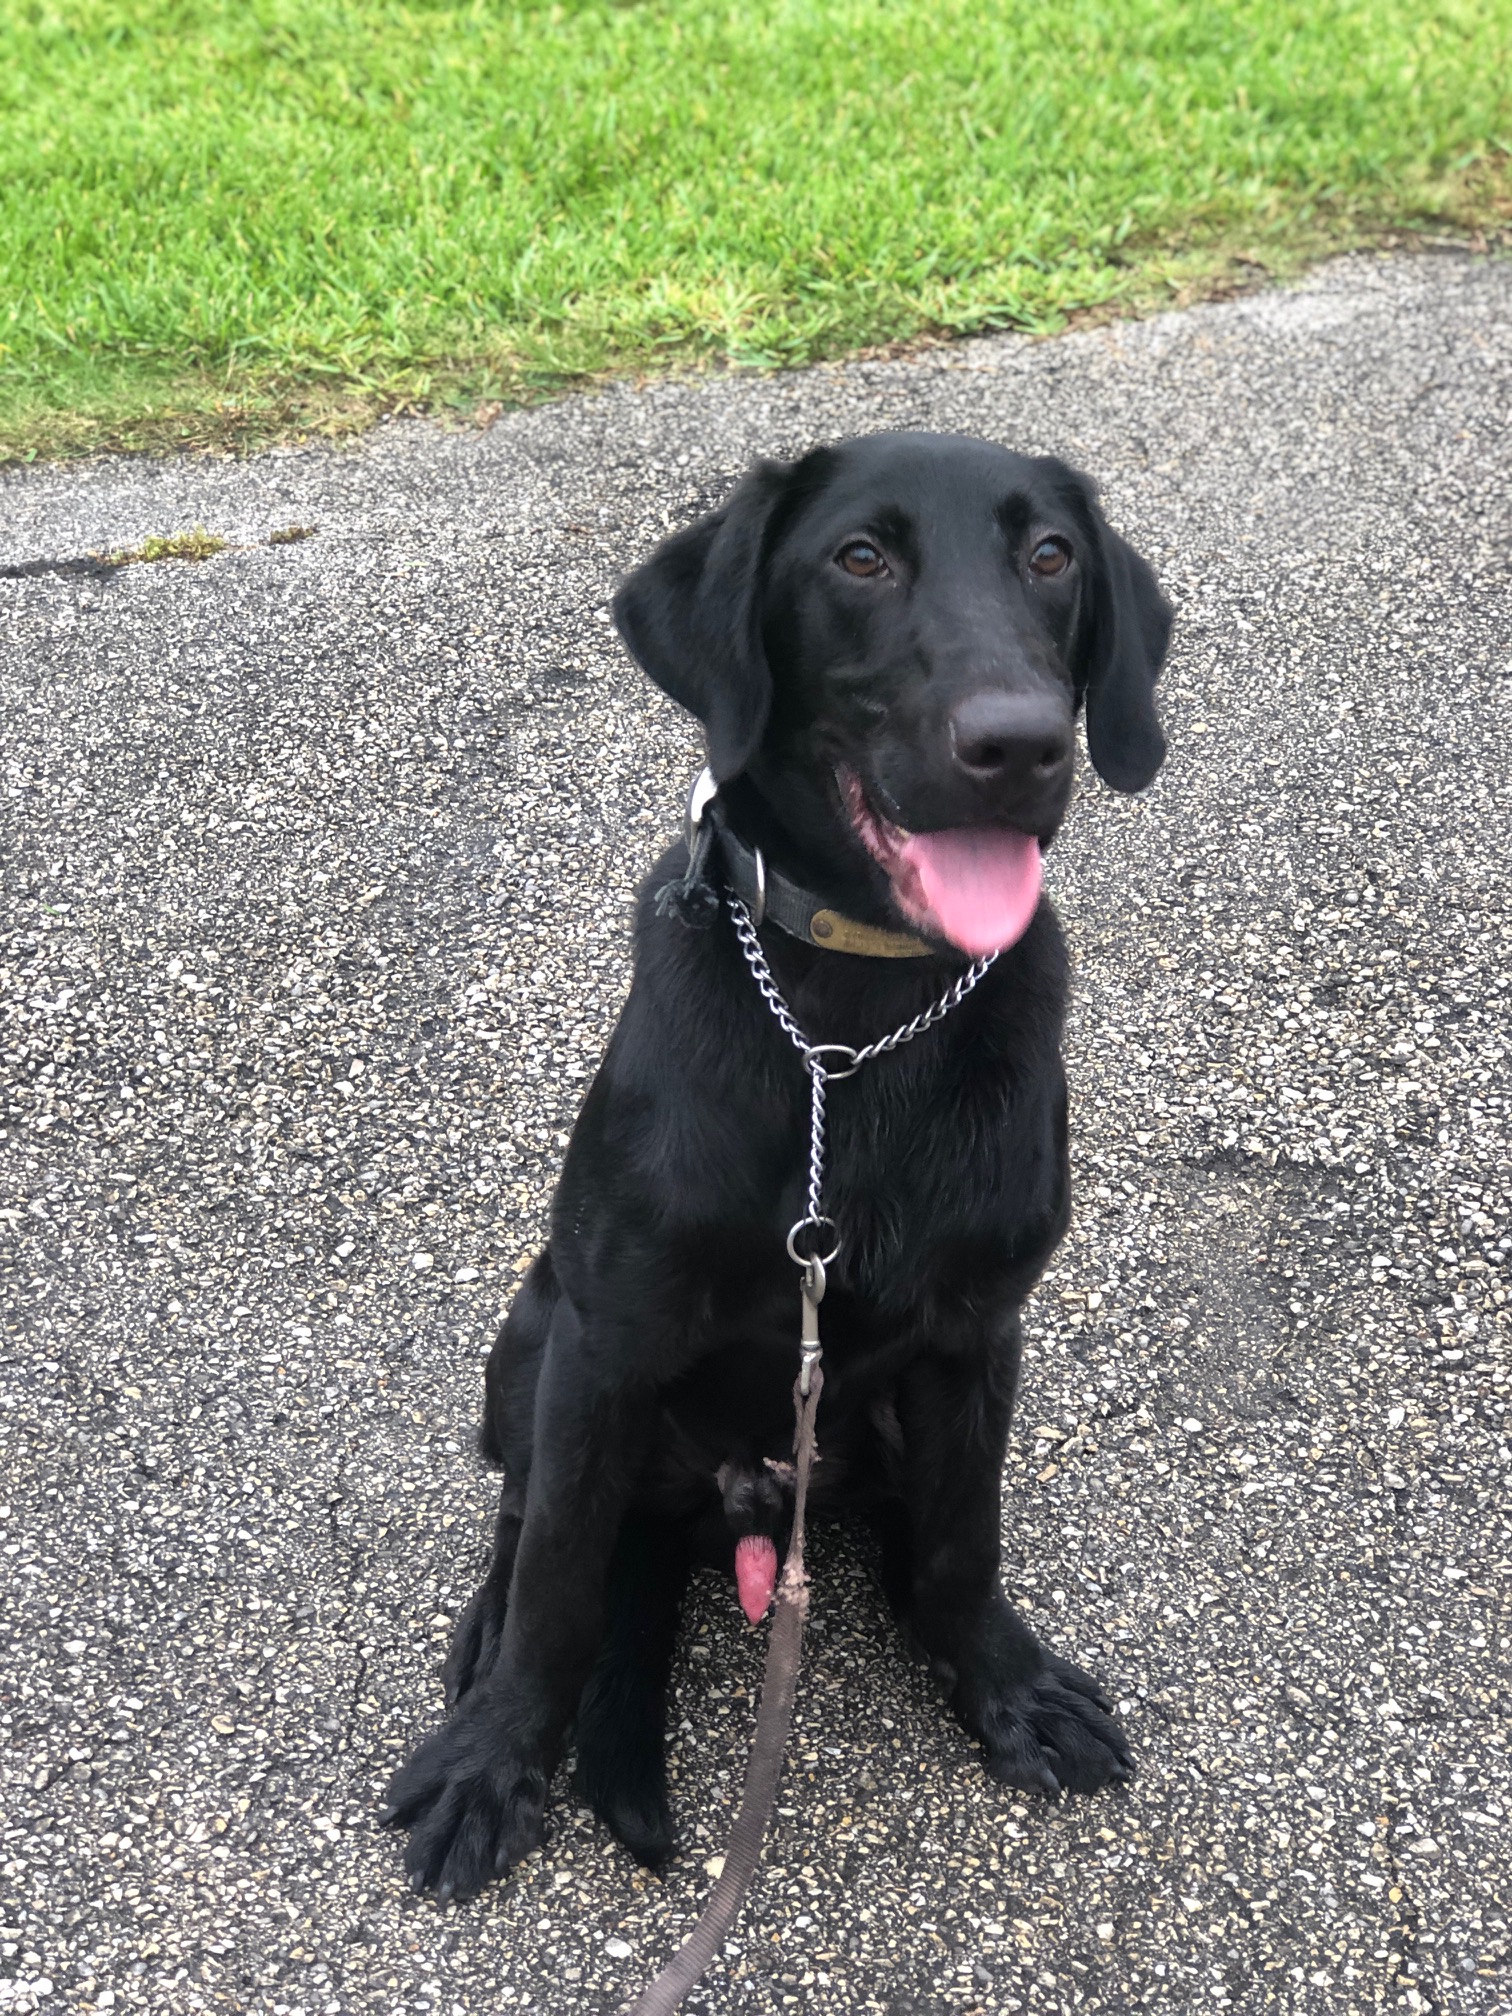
[
  {"x": 849, "y": 1070},
  {"x": 802, "y": 1259}
]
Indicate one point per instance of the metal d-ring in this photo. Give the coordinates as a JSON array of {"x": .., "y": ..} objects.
[
  {"x": 802, "y": 1259},
  {"x": 759, "y": 910}
]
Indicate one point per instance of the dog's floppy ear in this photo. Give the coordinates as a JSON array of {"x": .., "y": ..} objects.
[
  {"x": 1125, "y": 640},
  {"x": 691, "y": 616}
]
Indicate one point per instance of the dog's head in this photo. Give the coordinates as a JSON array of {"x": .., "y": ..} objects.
[{"x": 887, "y": 643}]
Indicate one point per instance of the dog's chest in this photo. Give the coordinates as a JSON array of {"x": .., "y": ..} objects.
[{"x": 734, "y": 1402}]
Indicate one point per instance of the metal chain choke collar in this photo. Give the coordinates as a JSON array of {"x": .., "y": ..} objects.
[{"x": 822, "y": 1073}]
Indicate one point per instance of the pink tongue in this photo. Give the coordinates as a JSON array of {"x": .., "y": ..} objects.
[
  {"x": 755, "y": 1574},
  {"x": 979, "y": 884}
]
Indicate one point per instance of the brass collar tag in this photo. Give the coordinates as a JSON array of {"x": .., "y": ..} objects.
[{"x": 834, "y": 933}]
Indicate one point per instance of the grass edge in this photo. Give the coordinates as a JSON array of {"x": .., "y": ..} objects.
[{"x": 204, "y": 414}]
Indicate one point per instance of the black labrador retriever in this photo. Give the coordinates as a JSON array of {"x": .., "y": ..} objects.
[{"x": 886, "y": 643}]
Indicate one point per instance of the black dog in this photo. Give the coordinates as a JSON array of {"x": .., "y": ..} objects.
[{"x": 886, "y": 643}]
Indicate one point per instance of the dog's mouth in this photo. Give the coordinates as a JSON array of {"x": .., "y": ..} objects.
[{"x": 977, "y": 887}]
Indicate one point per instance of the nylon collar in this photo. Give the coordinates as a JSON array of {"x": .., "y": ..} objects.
[{"x": 773, "y": 898}]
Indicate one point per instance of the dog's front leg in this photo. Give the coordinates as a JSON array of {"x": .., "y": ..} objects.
[
  {"x": 474, "y": 1793},
  {"x": 1043, "y": 1724}
]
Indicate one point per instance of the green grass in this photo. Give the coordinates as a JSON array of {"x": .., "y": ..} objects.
[
  {"x": 220, "y": 221},
  {"x": 196, "y": 545}
]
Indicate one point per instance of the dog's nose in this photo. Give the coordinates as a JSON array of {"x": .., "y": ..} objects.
[{"x": 1000, "y": 737}]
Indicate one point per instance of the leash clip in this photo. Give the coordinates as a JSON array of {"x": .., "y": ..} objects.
[{"x": 809, "y": 1348}]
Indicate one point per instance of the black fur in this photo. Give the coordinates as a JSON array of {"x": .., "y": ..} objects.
[{"x": 641, "y": 1387}]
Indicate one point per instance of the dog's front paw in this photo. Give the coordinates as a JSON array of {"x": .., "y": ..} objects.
[
  {"x": 473, "y": 1800},
  {"x": 1051, "y": 1730}
]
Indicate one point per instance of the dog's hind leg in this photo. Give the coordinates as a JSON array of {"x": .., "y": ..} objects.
[
  {"x": 514, "y": 1366},
  {"x": 621, "y": 1767},
  {"x": 514, "y": 1370},
  {"x": 475, "y": 1643}
]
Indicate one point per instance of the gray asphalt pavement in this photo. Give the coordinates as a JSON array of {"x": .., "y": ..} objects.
[{"x": 317, "y": 859}]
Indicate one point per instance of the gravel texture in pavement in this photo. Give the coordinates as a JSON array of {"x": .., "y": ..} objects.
[{"x": 317, "y": 864}]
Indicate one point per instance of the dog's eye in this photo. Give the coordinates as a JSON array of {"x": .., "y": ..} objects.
[
  {"x": 861, "y": 558},
  {"x": 1051, "y": 556}
]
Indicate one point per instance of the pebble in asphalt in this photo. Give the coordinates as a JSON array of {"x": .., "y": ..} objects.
[{"x": 317, "y": 865}]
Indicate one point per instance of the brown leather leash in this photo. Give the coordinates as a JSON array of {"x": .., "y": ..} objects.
[{"x": 779, "y": 1685}]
